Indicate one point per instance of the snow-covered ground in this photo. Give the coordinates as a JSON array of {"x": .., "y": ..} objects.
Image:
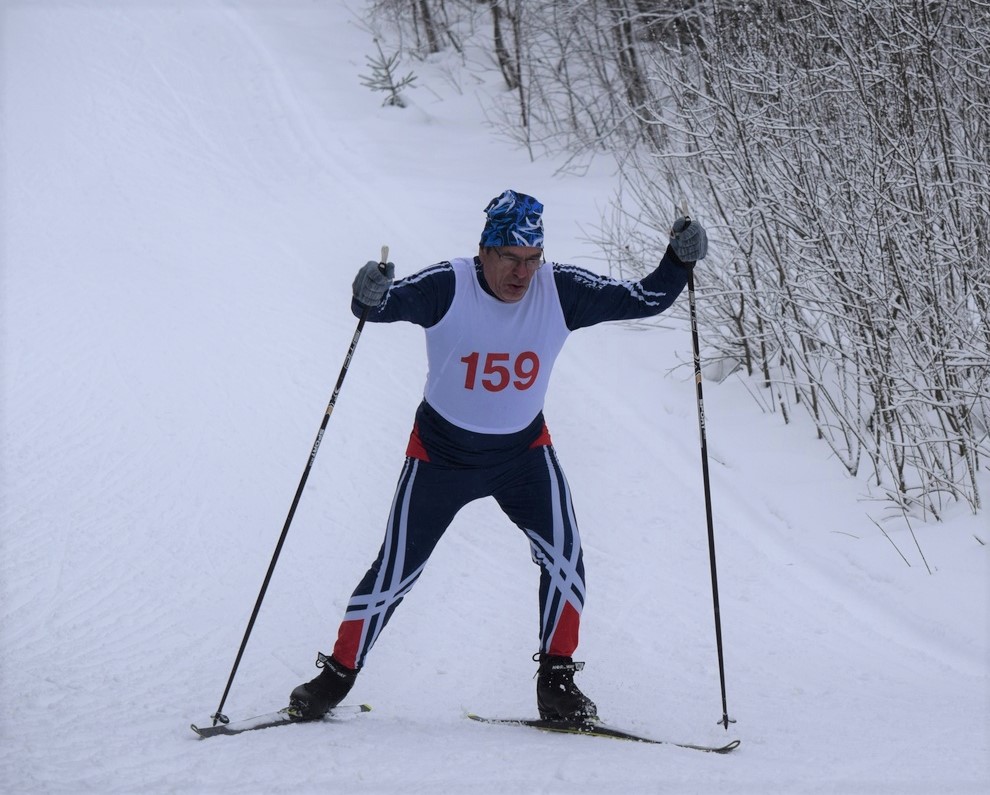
[{"x": 188, "y": 189}]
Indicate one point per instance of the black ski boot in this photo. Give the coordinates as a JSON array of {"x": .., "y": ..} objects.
[
  {"x": 315, "y": 699},
  {"x": 557, "y": 697}
]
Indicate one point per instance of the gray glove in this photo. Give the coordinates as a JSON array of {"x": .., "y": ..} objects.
[
  {"x": 372, "y": 282},
  {"x": 689, "y": 240}
]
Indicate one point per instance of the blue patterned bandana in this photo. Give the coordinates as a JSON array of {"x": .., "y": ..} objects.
[{"x": 514, "y": 219}]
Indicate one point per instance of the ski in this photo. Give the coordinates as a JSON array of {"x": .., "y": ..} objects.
[
  {"x": 281, "y": 718},
  {"x": 598, "y": 729}
]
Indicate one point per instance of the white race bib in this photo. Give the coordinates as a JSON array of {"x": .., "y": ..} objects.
[{"x": 490, "y": 361}]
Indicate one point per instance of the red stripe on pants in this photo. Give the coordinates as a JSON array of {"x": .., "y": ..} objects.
[
  {"x": 565, "y": 636},
  {"x": 345, "y": 650}
]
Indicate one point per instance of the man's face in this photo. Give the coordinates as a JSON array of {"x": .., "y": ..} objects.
[{"x": 509, "y": 270}]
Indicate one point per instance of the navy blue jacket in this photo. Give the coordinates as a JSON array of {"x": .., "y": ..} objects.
[{"x": 586, "y": 298}]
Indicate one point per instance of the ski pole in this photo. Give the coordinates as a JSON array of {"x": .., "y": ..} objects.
[
  {"x": 219, "y": 716},
  {"x": 725, "y": 721}
]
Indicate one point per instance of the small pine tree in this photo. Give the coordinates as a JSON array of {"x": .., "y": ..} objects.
[{"x": 383, "y": 77}]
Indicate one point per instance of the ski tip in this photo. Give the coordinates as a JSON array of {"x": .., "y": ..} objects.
[{"x": 715, "y": 749}]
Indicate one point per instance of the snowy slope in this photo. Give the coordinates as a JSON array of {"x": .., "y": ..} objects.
[{"x": 187, "y": 191}]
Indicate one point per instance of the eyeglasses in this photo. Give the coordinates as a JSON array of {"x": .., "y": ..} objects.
[{"x": 511, "y": 260}]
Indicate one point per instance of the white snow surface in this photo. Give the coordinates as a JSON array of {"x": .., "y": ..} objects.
[{"x": 188, "y": 190}]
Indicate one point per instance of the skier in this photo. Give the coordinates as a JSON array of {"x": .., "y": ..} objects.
[{"x": 494, "y": 326}]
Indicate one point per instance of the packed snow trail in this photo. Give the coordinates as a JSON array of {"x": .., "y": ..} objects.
[{"x": 188, "y": 189}]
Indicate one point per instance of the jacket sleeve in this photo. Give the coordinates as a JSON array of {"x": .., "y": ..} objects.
[
  {"x": 422, "y": 298},
  {"x": 588, "y": 298}
]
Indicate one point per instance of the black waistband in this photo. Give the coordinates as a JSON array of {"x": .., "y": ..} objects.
[{"x": 450, "y": 445}]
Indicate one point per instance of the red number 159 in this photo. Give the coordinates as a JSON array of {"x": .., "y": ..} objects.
[{"x": 496, "y": 373}]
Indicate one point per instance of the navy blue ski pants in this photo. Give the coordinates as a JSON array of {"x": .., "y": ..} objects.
[{"x": 530, "y": 488}]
